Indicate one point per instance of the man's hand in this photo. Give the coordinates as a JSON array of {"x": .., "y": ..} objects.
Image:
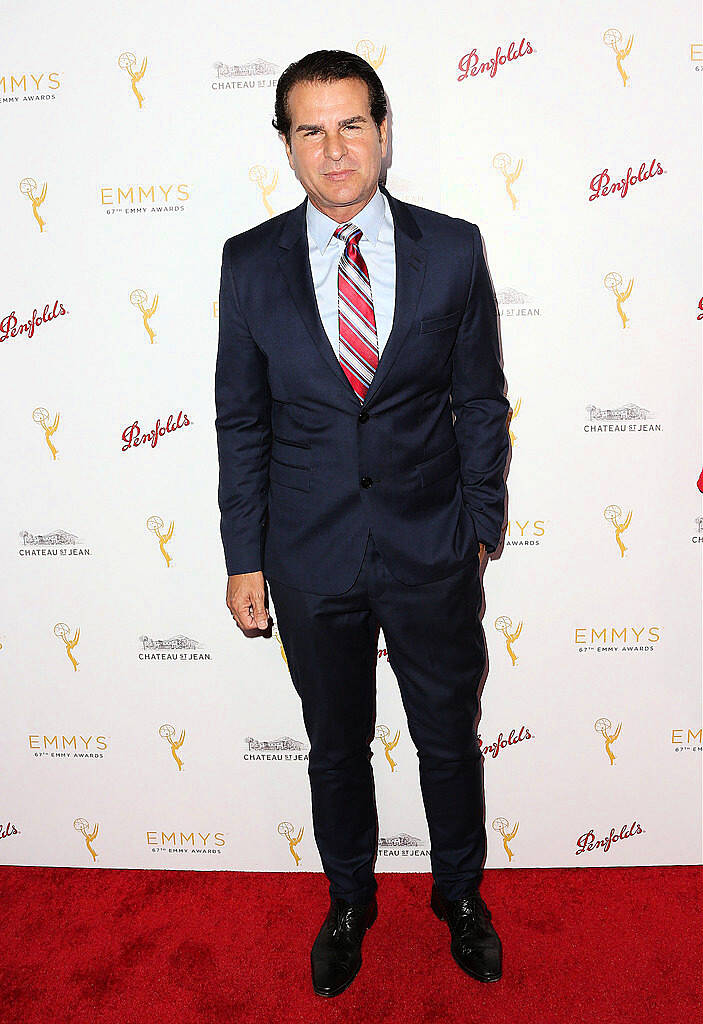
[
  {"x": 245, "y": 600},
  {"x": 481, "y": 553}
]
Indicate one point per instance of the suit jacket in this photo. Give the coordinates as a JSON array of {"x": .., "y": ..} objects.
[{"x": 305, "y": 469}]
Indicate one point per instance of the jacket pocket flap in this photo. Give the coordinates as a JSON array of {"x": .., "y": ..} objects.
[{"x": 289, "y": 476}]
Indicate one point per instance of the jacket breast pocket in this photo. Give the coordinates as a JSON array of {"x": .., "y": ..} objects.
[{"x": 440, "y": 323}]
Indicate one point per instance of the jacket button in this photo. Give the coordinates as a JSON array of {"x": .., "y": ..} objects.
[
  {"x": 363, "y": 416},
  {"x": 366, "y": 481}
]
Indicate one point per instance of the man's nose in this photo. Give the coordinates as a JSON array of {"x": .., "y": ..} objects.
[{"x": 335, "y": 147}]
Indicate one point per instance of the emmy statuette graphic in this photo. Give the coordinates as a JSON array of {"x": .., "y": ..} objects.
[{"x": 501, "y": 162}]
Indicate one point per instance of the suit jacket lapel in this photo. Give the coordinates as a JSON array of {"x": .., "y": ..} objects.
[{"x": 410, "y": 262}]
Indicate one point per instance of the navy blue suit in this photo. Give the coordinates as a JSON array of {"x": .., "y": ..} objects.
[{"x": 369, "y": 514}]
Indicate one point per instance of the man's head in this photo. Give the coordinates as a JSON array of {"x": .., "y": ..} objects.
[{"x": 331, "y": 115}]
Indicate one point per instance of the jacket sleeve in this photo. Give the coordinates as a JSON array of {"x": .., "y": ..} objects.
[
  {"x": 243, "y": 427},
  {"x": 479, "y": 405}
]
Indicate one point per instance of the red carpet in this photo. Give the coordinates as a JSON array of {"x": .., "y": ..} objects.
[{"x": 127, "y": 946}]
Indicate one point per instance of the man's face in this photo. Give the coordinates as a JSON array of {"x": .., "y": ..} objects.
[{"x": 335, "y": 149}]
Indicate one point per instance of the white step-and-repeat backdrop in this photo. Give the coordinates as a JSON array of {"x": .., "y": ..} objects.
[{"x": 139, "y": 726}]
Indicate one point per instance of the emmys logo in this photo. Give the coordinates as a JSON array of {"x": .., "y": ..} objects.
[
  {"x": 512, "y": 414},
  {"x": 687, "y": 739},
  {"x": 256, "y": 74},
  {"x": 504, "y": 625},
  {"x": 601, "y": 184},
  {"x": 155, "y": 525},
  {"x": 401, "y": 845},
  {"x": 588, "y": 841},
  {"x": 471, "y": 64},
  {"x": 40, "y": 415},
  {"x": 11, "y": 328},
  {"x": 605, "y": 728},
  {"x": 133, "y": 436},
  {"x": 28, "y": 187},
  {"x": 82, "y": 826},
  {"x": 139, "y": 299},
  {"x": 60, "y": 542},
  {"x": 366, "y": 49},
  {"x": 128, "y": 62},
  {"x": 629, "y": 417},
  {"x": 285, "y": 748},
  {"x": 612, "y": 514},
  {"x": 176, "y": 648},
  {"x": 605, "y": 639},
  {"x": 383, "y": 734},
  {"x": 529, "y": 533},
  {"x": 130, "y": 203},
  {"x": 8, "y": 830},
  {"x": 167, "y": 732},
  {"x": 502, "y": 826},
  {"x": 502, "y": 162},
  {"x": 62, "y": 747},
  {"x": 612, "y": 37},
  {"x": 286, "y": 829},
  {"x": 62, "y": 631},
  {"x": 502, "y": 742},
  {"x": 258, "y": 175},
  {"x": 30, "y": 93},
  {"x": 613, "y": 282},
  {"x": 514, "y": 303},
  {"x": 185, "y": 842}
]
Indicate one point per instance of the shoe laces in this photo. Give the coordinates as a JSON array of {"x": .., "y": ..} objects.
[
  {"x": 343, "y": 918},
  {"x": 472, "y": 910}
]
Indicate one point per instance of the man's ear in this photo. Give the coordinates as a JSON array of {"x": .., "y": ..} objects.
[
  {"x": 383, "y": 129},
  {"x": 288, "y": 152}
]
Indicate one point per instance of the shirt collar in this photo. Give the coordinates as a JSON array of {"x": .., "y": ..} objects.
[{"x": 321, "y": 227}]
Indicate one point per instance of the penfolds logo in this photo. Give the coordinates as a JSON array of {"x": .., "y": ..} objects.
[
  {"x": 471, "y": 63},
  {"x": 588, "y": 841},
  {"x": 602, "y": 185},
  {"x": 502, "y": 741},
  {"x": 10, "y": 326},
  {"x": 133, "y": 435},
  {"x": 8, "y": 830}
]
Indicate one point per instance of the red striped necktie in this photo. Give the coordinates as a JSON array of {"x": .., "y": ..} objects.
[{"x": 358, "y": 343}]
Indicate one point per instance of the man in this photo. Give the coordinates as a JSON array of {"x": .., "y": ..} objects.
[{"x": 361, "y": 428}]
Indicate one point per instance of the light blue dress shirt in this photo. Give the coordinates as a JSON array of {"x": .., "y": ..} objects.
[{"x": 377, "y": 246}]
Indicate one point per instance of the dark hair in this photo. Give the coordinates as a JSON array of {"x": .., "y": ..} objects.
[{"x": 327, "y": 66}]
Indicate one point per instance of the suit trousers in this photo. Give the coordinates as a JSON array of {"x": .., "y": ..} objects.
[{"x": 436, "y": 649}]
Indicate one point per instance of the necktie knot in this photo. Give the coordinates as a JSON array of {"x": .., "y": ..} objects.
[{"x": 349, "y": 233}]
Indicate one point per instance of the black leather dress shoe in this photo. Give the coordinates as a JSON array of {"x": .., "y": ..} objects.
[
  {"x": 475, "y": 944},
  {"x": 336, "y": 953}
]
